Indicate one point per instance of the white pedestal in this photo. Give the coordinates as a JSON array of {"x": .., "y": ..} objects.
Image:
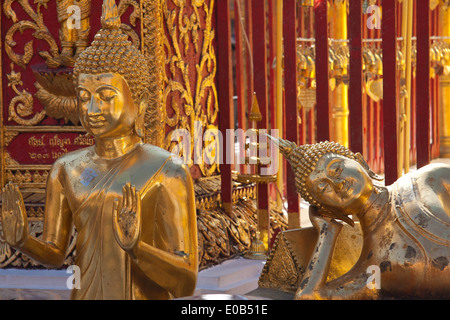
[{"x": 237, "y": 276}]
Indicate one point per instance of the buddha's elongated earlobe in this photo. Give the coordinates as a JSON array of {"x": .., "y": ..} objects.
[{"x": 139, "y": 125}]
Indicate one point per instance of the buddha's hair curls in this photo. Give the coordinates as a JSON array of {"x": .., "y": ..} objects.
[{"x": 112, "y": 52}]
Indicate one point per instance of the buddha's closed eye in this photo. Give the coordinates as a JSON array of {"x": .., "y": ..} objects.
[
  {"x": 322, "y": 187},
  {"x": 107, "y": 94},
  {"x": 335, "y": 168},
  {"x": 83, "y": 95}
]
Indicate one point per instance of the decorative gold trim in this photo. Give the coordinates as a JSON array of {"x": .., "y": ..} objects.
[
  {"x": 49, "y": 129},
  {"x": 152, "y": 34},
  {"x": 281, "y": 271},
  {"x": 2, "y": 139},
  {"x": 198, "y": 103},
  {"x": 21, "y": 106}
]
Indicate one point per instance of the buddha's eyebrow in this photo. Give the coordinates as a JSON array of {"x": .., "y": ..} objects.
[
  {"x": 333, "y": 162},
  {"x": 82, "y": 88},
  {"x": 107, "y": 86}
]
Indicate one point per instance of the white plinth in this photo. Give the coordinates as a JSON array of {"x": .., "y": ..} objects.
[{"x": 237, "y": 276}]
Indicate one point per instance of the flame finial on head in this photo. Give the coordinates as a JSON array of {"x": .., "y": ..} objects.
[
  {"x": 110, "y": 15},
  {"x": 285, "y": 146}
]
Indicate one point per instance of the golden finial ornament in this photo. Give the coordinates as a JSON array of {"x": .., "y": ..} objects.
[
  {"x": 255, "y": 114},
  {"x": 257, "y": 249},
  {"x": 110, "y": 15}
]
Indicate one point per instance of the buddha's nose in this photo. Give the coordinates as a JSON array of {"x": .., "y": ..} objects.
[
  {"x": 340, "y": 185},
  {"x": 94, "y": 108}
]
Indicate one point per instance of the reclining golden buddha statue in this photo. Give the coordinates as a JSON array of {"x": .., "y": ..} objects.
[
  {"x": 132, "y": 204},
  {"x": 405, "y": 227}
]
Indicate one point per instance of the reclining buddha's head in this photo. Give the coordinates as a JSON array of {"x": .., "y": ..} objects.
[
  {"x": 111, "y": 79},
  {"x": 331, "y": 177}
]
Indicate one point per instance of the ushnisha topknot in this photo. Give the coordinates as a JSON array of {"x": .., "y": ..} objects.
[
  {"x": 304, "y": 158},
  {"x": 112, "y": 52},
  {"x": 110, "y": 15}
]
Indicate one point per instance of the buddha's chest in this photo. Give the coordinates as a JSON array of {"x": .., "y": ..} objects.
[{"x": 101, "y": 183}]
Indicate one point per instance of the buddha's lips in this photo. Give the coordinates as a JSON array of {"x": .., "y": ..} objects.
[{"x": 96, "y": 122}]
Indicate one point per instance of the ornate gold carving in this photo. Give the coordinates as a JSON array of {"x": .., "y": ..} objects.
[
  {"x": 152, "y": 48},
  {"x": 24, "y": 176},
  {"x": 37, "y": 24},
  {"x": 281, "y": 271},
  {"x": 199, "y": 103},
  {"x": 62, "y": 102},
  {"x": 58, "y": 104},
  {"x": 21, "y": 106},
  {"x": 8, "y": 160},
  {"x": 8, "y": 137}
]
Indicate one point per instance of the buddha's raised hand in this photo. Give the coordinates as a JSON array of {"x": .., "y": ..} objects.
[
  {"x": 14, "y": 216},
  {"x": 127, "y": 218}
]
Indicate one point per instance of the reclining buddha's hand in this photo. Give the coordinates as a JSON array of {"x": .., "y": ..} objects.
[
  {"x": 321, "y": 221},
  {"x": 127, "y": 218},
  {"x": 14, "y": 217}
]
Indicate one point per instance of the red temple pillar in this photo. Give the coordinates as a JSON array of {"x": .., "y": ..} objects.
[
  {"x": 423, "y": 82},
  {"x": 240, "y": 84},
  {"x": 261, "y": 89},
  {"x": 390, "y": 112},
  {"x": 225, "y": 96},
  {"x": 291, "y": 109},
  {"x": 322, "y": 73},
  {"x": 356, "y": 77}
]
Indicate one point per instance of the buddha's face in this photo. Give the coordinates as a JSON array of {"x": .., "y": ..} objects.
[
  {"x": 105, "y": 105},
  {"x": 340, "y": 184}
]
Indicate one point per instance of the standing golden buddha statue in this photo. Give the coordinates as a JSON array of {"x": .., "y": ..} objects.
[
  {"x": 132, "y": 204},
  {"x": 405, "y": 226}
]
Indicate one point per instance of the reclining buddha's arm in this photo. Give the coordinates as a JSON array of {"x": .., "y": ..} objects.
[{"x": 317, "y": 270}]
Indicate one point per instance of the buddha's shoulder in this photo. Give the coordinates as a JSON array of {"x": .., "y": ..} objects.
[
  {"x": 74, "y": 158},
  {"x": 153, "y": 151},
  {"x": 434, "y": 173},
  {"x": 169, "y": 162},
  {"x": 432, "y": 184}
]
